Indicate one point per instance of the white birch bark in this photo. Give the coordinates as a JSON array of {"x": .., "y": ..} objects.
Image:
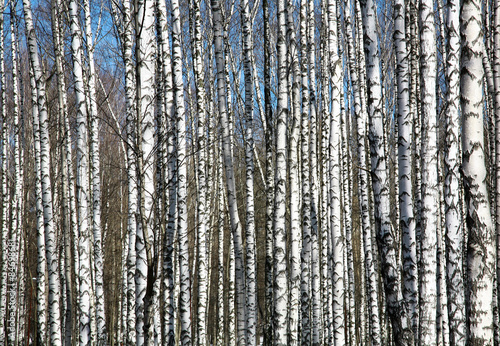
[
  {"x": 41, "y": 308},
  {"x": 360, "y": 119},
  {"x": 231, "y": 311},
  {"x": 229, "y": 170},
  {"x": 480, "y": 243},
  {"x": 251, "y": 265},
  {"x": 430, "y": 197},
  {"x": 305, "y": 287},
  {"x": 496, "y": 76},
  {"x": 220, "y": 229},
  {"x": 316, "y": 327},
  {"x": 68, "y": 198},
  {"x": 16, "y": 256},
  {"x": 269, "y": 139},
  {"x": 405, "y": 129},
  {"x": 95, "y": 181},
  {"x": 3, "y": 182},
  {"x": 280, "y": 298},
  {"x": 169, "y": 282},
  {"x": 335, "y": 70},
  {"x": 453, "y": 217},
  {"x": 326, "y": 243},
  {"x": 165, "y": 184},
  {"x": 202, "y": 206},
  {"x": 294, "y": 185},
  {"x": 269, "y": 177},
  {"x": 347, "y": 226},
  {"x": 182, "y": 230},
  {"x": 145, "y": 51},
  {"x": 130, "y": 102},
  {"x": 82, "y": 189},
  {"x": 54, "y": 285}
]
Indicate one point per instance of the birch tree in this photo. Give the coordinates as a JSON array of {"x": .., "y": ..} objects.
[
  {"x": 305, "y": 288},
  {"x": 405, "y": 129},
  {"x": 202, "y": 179},
  {"x": 95, "y": 180},
  {"x": 480, "y": 240},
  {"x": 280, "y": 274},
  {"x": 229, "y": 170},
  {"x": 334, "y": 167},
  {"x": 185, "y": 294},
  {"x": 54, "y": 321},
  {"x": 82, "y": 189},
  {"x": 360, "y": 121},
  {"x": 429, "y": 216},
  {"x": 452, "y": 189},
  {"x": 293, "y": 165},
  {"x": 3, "y": 182}
]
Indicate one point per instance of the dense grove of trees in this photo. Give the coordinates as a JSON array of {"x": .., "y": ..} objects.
[{"x": 246, "y": 172}]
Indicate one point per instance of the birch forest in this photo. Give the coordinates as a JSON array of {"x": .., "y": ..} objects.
[{"x": 250, "y": 172}]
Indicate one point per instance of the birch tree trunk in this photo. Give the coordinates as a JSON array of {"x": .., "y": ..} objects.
[
  {"x": 70, "y": 228},
  {"x": 280, "y": 273},
  {"x": 146, "y": 259},
  {"x": 82, "y": 189},
  {"x": 480, "y": 241},
  {"x": 453, "y": 217},
  {"x": 305, "y": 287},
  {"x": 3, "y": 183},
  {"x": 316, "y": 326},
  {"x": 335, "y": 191},
  {"x": 15, "y": 245},
  {"x": 132, "y": 219},
  {"x": 40, "y": 241},
  {"x": 201, "y": 323},
  {"x": 269, "y": 138},
  {"x": 182, "y": 229},
  {"x": 95, "y": 181},
  {"x": 429, "y": 216},
  {"x": 230, "y": 179},
  {"x": 251, "y": 282},
  {"x": 405, "y": 129},
  {"x": 295, "y": 234},
  {"x": 50, "y": 246},
  {"x": 496, "y": 76},
  {"x": 367, "y": 249}
]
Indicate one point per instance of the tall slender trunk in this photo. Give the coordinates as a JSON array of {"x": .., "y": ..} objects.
[
  {"x": 15, "y": 279},
  {"x": 480, "y": 241},
  {"x": 182, "y": 229},
  {"x": 367, "y": 249},
  {"x": 305, "y": 287},
  {"x": 201, "y": 323},
  {"x": 335, "y": 193},
  {"x": 496, "y": 76},
  {"x": 69, "y": 214},
  {"x": 429, "y": 216},
  {"x": 50, "y": 246},
  {"x": 453, "y": 217},
  {"x": 251, "y": 280},
  {"x": 82, "y": 189},
  {"x": 95, "y": 181},
  {"x": 316, "y": 326},
  {"x": 40, "y": 241},
  {"x": 146, "y": 260},
  {"x": 269, "y": 139},
  {"x": 230, "y": 177},
  {"x": 280, "y": 300},
  {"x": 405, "y": 129},
  {"x": 295, "y": 233},
  {"x": 3, "y": 184},
  {"x": 130, "y": 101}
]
